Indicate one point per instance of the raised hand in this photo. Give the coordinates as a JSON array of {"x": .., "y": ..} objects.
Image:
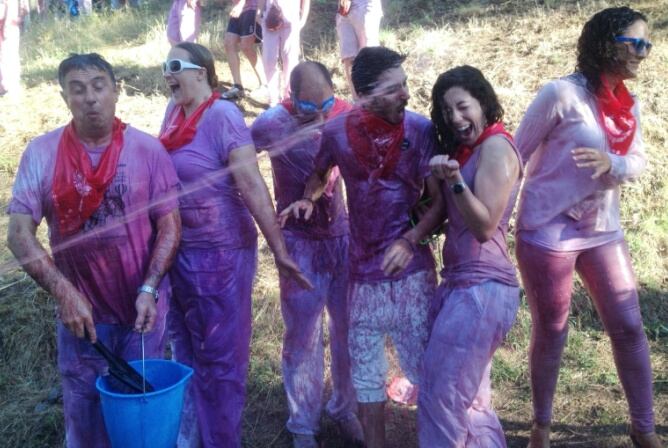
[
  {"x": 295, "y": 210},
  {"x": 444, "y": 168}
]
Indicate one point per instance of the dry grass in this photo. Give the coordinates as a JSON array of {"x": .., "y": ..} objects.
[{"x": 518, "y": 44}]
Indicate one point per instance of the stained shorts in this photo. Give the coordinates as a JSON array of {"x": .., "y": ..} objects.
[{"x": 398, "y": 308}]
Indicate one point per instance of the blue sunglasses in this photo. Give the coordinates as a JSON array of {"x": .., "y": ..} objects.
[
  {"x": 307, "y": 107},
  {"x": 639, "y": 45}
]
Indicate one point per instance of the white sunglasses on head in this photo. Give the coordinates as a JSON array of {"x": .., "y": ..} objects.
[{"x": 174, "y": 66}]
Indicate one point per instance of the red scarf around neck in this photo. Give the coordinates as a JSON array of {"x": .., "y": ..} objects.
[
  {"x": 464, "y": 152},
  {"x": 375, "y": 142},
  {"x": 614, "y": 113},
  {"x": 180, "y": 130},
  {"x": 78, "y": 189}
]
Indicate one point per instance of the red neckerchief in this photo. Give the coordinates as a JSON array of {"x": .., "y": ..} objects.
[
  {"x": 78, "y": 189},
  {"x": 180, "y": 130},
  {"x": 614, "y": 113},
  {"x": 464, "y": 152},
  {"x": 375, "y": 142},
  {"x": 340, "y": 106}
]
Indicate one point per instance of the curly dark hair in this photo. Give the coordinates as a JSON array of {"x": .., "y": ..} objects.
[
  {"x": 597, "y": 49},
  {"x": 472, "y": 80}
]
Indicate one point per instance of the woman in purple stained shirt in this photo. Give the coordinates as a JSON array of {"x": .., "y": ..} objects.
[
  {"x": 477, "y": 302},
  {"x": 581, "y": 137},
  {"x": 221, "y": 187}
]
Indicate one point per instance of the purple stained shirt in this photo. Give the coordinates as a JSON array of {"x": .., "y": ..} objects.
[
  {"x": 293, "y": 150},
  {"x": 213, "y": 212},
  {"x": 379, "y": 209},
  {"x": 561, "y": 207},
  {"x": 108, "y": 259},
  {"x": 466, "y": 261}
]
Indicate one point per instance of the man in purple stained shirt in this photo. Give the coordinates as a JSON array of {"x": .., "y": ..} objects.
[
  {"x": 382, "y": 152},
  {"x": 290, "y": 133},
  {"x": 108, "y": 194}
]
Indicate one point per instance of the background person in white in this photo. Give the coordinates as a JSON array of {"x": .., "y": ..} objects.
[
  {"x": 281, "y": 42},
  {"x": 358, "y": 26}
]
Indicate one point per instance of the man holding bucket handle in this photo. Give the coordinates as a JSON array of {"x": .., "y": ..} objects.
[{"x": 108, "y": 193}]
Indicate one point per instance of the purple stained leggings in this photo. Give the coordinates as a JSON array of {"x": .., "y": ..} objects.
[
  {"x": 209, "y": 325},
  {"x": 608, "y": 276},
  {"x": 325, "y": 263},
  {"x": 80, "y": 365}
]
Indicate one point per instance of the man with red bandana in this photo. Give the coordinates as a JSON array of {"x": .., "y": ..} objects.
[
  {"x": 108, "y": 194},
  {"x": 290, "y": 133},
  {"x": 382, "y": 152}
]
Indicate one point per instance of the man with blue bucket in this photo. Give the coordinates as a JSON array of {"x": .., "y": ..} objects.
[{"x": 108, "y": 194}]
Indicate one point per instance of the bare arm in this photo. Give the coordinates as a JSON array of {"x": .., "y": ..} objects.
[
  {"x": 74, "y": 309},
  {"x": 315, "y": 186},
  {"x": 496, "y": 175},
  {"x": 243, "y": 164},
  {"x": 164, "y": 251},
  {"x": 401, "y": 252}
]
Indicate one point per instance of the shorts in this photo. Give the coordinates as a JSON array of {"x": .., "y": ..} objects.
[
  {"x": 357, "y": 30},
  {"x": 244, "y": 25},
  {"x": 398, "y": 308}
]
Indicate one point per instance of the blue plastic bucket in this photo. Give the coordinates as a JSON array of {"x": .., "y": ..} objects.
[{"x": 151, "y": 419}]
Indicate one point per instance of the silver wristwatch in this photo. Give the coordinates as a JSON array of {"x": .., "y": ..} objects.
[{"x": 150, "y": 290}]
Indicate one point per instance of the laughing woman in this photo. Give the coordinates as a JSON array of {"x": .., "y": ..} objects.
[
  {"x": 210, "y": 317},
  {"x": 476, "y": 304},
  {"x": 581, "y": 137}
]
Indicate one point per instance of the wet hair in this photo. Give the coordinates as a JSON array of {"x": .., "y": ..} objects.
[
  {"x": 472, "y": 80},
  {"x": 200, "y": 55},
  {"x": 369, "y": 64},
  {"x": 597, "y": 49},
  {"x": 297, "y": 75},
  {"x": 82, "y": 62}
]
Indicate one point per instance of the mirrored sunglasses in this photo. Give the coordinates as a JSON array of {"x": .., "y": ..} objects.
[
  {"x": 177, "y": 66},
  {"x": 307, "y": 107},
  {"x": 639, "y": 45}
]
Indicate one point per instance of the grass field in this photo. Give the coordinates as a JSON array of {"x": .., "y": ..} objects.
[{"x": 518, "y": 44}]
